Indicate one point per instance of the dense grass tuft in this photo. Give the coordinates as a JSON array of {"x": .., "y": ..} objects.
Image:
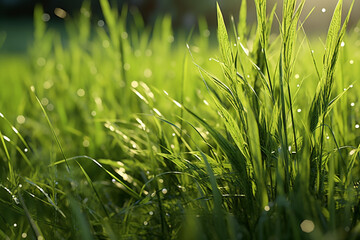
[{"x": 124, "y": 131}]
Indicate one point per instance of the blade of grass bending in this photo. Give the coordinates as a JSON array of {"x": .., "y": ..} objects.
[
  {"x": 47, "y": 196},
  {"x": 16, "y": 132},
  {"x": 126, "y": 189},
  {"x": 11, "y": 170},
  {"x": 219, "y": 216},
  {"x": 53, "y": 132},
  {"x": 93, "y": 188},
  {"x": 33, "y": 224}
]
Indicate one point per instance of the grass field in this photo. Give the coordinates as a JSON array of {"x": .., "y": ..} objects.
[{"x": 129, "y": 132}]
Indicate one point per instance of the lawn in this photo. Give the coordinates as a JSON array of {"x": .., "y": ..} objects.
[{"x": 121, "y": 130}]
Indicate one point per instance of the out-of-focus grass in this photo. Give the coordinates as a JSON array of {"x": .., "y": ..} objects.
[{"x": 171, "y": 138}]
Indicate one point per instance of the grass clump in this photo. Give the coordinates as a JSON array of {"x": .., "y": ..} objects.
[{"x": 125, "y": 131}]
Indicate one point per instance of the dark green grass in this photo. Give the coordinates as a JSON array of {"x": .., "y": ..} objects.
[{"x": 127, "y": 133}]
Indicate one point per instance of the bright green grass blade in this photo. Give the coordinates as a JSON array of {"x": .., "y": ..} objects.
[
  {"x": 242, "y": 25},
  {"x": 46, "y": 195},
  {"x": 223, "y": 39},
  {"x": 53, "y": 132},
  {"x": 10, "y": 165}
]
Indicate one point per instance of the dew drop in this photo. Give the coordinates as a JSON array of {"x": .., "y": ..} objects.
[
  {"x": 80, "y": 92},
  {"x": 100, "y": 23},
  {"x": 146, "y": 223},
  {"x": 342, "y": 44},
  {"x": 20, "y": 119},
  {"x": 164, "y": 191},
  {"x": 41, "y": 61},
  {"x": 151, "y": 213},
  {"x": 267, "y": 208},
  {"x": 45, "y": 17},
  {"x": 357, "y": 126},
  {"x": 307, "y": 226},
  {"x": 351, "y": 62},
  {"x": 106, "y": 44},
  {"x": 323, "y": 10},
  {"x": 134, "y": 84},
  {"x": 15, "y": 130},
  {"x": 299, "y": 110},
  {"x": 24, "y": 235},
  {"x": 352, "y": 104},
  {"x": 124, "y": 35}
]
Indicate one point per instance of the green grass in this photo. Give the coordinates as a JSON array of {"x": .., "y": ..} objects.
[{"x": 132, "y": 132}]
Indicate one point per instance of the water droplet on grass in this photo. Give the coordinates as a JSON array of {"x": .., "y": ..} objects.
[
  {"x": 106, "y": 44},
  {"x": 100, "y": 23},
  {"x": 206, "y": 33},
  {"x": 351, "y": 62},
  {"x": 146, "y": 223},
  {"x": 323, "y": 10},
  {"x": 267, "y": 208},
  {"x": 297, "y": 76},
  {"x": 352, "y": 104},
  {"x": 15, "y": 224},
  {"x": 15, "y": 130},
  {"x": 164, "y": 191},
  {"x": 357, "y": 126},
  {"x": 147, "y": 73},
  {"x": 6, "y": 138},
  {"x": 24, "y": 235},
  {"x": 177, "y": 103},
  {"x": 299, "y": 110},
  {"x": 157, "y": 112},
  {"x": 127, "y": 66},
  {"x": 342, "y": 44},
  {"x": 86, "y": 143},
  {"x": 307, "y": 226},
  {"x": 124, "y": 35},
  {"x": 41, "y": 61},
  {"x": 1, "y": 115},
  {"x": 80, "y": 92},
  {"x": 45, "y": 17},
  {"x": 44, "y": 101},
  {"x": 151, "y": 213}
]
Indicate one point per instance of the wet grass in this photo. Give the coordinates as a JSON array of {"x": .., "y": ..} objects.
[{"x": 127, "y": 132}]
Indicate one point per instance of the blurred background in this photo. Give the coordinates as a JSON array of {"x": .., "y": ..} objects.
[{"x": 16, "y": 15}]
